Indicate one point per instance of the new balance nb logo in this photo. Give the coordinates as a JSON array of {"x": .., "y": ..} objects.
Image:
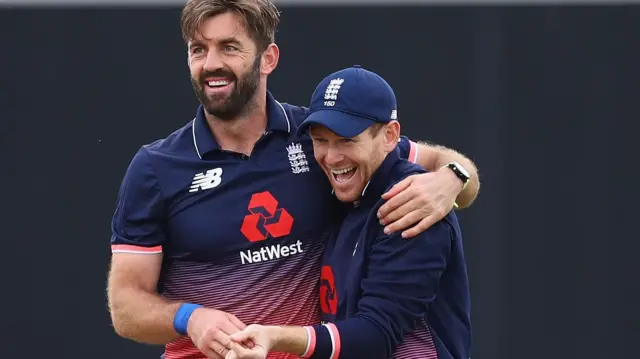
[{"x": 210, "y": 179}]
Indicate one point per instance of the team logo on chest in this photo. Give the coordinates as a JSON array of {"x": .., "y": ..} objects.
[
  {"x": 267, "y": 218},
  {"x": 297, "y": 159}
]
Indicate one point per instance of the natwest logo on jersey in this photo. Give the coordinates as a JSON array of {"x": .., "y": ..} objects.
[
  {"x": 328, "y": 292},
  {"x": 266, "y": 219}
]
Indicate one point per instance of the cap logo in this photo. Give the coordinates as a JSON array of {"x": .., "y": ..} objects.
[
  {"x": 331, "y": 94},
  {"x": 394, "y": 114}
]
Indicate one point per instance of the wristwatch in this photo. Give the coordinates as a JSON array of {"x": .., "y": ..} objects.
[{"x": 460, "y": 172}]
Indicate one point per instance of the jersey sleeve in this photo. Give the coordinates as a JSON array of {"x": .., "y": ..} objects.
[
  {"x": 137, "y": 224},
  {"x": 401, "y": 280},
  {"x": 408, "y": 149}
]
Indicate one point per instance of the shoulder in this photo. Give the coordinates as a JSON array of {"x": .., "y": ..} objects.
[
  {"x": 296, "y": 114},
  {"x": 178, "y": 140},
  {"x": 153, "y": 155},
  {"x": 403, "y": 169}
]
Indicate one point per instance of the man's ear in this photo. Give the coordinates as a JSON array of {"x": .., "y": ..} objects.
[
  {"x": 270, "y": 58},
  {"x": 391, "y": 132}
]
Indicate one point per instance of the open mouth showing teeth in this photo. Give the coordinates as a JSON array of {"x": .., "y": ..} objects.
[
  {"x": 344, "y": 174},
  {"x": 218, "y": 83}
]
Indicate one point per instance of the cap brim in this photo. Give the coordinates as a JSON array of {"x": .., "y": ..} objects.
[{"x": 341, "y": 123}]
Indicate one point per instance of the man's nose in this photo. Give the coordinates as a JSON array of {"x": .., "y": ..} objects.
[
  {"x": 334, "y": 156},
  {"x": 213, "y": 61}
]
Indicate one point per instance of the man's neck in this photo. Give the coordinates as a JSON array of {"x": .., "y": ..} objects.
[{"x": 241, "y": 133}]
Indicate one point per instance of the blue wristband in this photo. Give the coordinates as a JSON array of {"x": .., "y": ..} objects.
[{"x": 181, "y": 319}]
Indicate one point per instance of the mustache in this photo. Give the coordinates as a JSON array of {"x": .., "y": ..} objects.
[{"x": 217, "y": 73}]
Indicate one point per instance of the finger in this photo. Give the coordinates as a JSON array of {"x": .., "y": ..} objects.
[
  {"x": 241, "y": 352},
  {"x": 228, "y": 327},
  {"x": 218, "y": 349},
  {"x": 210, "y": 353},
  {"x": 404, "y": 222},
  {"x": 402, "y": 211},
  {"x": 237, "y": 322},
  {"x": 245, "y": 337},
  {"x": 397, "y": 188},
  {"x": 389, "y": 211},
  {"x": 220, "y": 343},
  {"x": 422, "y": 226},
  {"x": 240, "y": 337}
]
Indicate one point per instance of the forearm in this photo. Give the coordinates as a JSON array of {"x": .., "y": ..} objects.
[
  {"x": 142, "y": 316},
  {"x": 321, "y": 341},
  {"x": 292, "y": 340},
  {"x": 433, "y": 157}
]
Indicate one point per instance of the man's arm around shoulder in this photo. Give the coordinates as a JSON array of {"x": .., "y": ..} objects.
[
  {"x": 434, "y": 157},
  {"x": 419, "y": 201}
]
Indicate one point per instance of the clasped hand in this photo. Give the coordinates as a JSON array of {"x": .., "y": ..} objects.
[
  {"x": 254, "y": 342},
  {"x": 210, "y": 331}
]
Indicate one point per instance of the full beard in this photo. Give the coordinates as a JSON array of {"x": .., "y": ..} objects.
[{"x": 229, "y": 107}]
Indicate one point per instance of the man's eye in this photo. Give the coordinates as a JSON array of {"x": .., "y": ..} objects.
[
  {"x": 230, "y": 48},
  {"x": 197, "y": 50}
]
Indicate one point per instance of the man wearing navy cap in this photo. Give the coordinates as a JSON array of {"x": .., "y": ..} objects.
[
  {"x": 225, "y": 221},
  {"x": 381, "y": 296}
]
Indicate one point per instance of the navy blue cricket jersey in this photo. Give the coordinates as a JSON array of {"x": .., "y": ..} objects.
[
  {"x": 242, "y": 234},
  {"x": 383, "y": 296}
]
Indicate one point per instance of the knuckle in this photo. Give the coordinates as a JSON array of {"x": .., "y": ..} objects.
[
  {"x": 422, "y": 226},
  {"x": 403, "y": 222},
  {"x": 415, "y": 216},
  {"x": 210, "y": 332},
  {"x": 425, "y": 198},
  {"x": 201, "y": 343}
]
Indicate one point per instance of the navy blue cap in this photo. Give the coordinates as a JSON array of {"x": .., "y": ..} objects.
[{"x": 347, "y": 102}]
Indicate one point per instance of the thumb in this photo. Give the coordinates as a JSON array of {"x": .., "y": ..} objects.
[
  {"x": 397, "y": 188},
  {"x": 240, "y": 337}
]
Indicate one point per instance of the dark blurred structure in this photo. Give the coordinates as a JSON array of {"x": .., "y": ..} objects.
[{"x": 544, "y": 99}]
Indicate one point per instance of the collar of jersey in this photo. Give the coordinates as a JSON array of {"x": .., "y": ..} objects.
[
  {"x": 379, "y": 181},
  {"x": 204, "y": 142}
]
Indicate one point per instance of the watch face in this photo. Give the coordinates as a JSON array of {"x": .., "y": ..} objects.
[{"x": 462, "y": 170}]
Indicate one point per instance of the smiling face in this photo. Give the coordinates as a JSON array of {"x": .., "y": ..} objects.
[
  {"x": 349, "y": 163},
  {"x": 226, "y": 66}
]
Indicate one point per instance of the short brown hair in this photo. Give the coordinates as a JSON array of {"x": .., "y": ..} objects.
[
  {"x": 261, "y": 17},
  {"x": 375, "y": 128}
]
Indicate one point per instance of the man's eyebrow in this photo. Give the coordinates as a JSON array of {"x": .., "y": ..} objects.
[
  {"x": 223, "y": 41},
  {"x": 229, "y": 40}
]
